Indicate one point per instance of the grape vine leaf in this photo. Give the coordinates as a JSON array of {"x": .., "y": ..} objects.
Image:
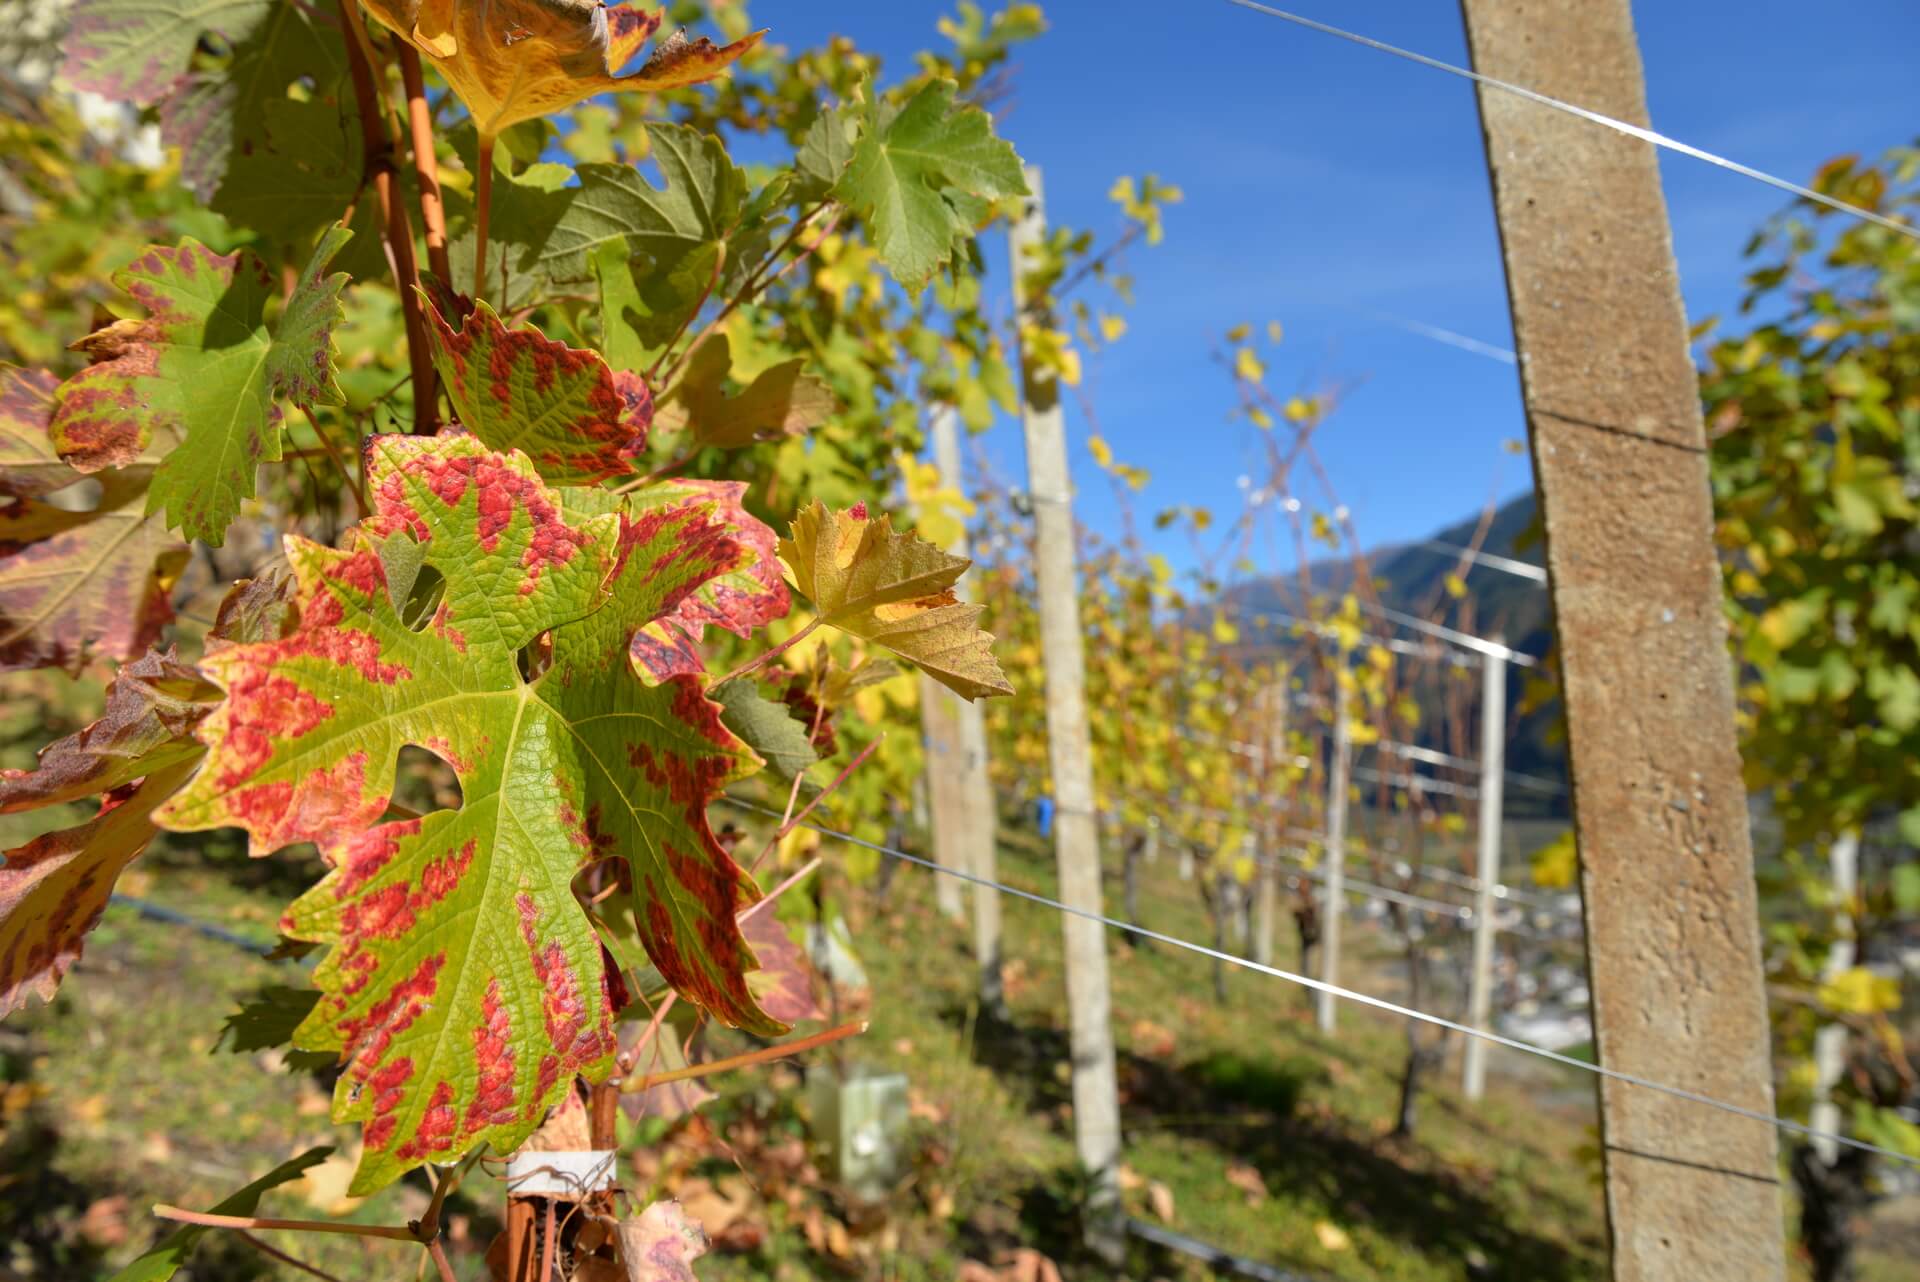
[
  {"x": 514, "y": 60},
  {"x": 466, "y": 985},
  {"x": 29, "y": 465},
  {"x": 894, "y": 589},
  {"x": 770, "y": 729},
  {"x": 562, "y": 406},
  {"x": 54, "y": 888},
  {"x": 137, "y": 50},
  {"x": 741, "y": 599},
  {"x": 75, "y": 584},
  {"x": 166, "y": 1257},
  {"x": 784, "y": 982},
  {"x": 661, "y": 1243},
  {"x": 226, "y": 103},
  {"x": 266, "y": 1020},
  {"x": 554, "y": 222},
  {"x": 923, "y": 176},
  {"x": 204, "y": 368},
  {"x": 696, "y": 411},
  {"x": 824, "y": 153}
]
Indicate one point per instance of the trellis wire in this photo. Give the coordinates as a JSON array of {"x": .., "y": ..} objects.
[
  {"x": 1641, "y": 132},
  {"x": 1348, "y": 994}
]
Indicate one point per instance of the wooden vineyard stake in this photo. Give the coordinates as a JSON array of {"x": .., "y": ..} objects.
[{"x": 1613, "y": 408}]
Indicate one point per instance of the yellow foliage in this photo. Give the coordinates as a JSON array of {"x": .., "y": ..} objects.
[
  {"x": 1860, "y": 992},
  {"x": 1248, "y": 366},
  {"x": 1555, "y": 863}
]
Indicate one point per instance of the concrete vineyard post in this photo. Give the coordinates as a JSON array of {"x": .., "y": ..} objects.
[
  {"x": 1334, "y": 909},
  {"x": 1660, "y": 813},
  {"x": 1096, "y": 1105},
  {"x": 1493, "y": 766},
  {"x": 973, "y": 819}
]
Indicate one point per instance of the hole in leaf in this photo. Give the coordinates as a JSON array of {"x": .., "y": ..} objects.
[
  {"x": 82, "y": 496},
  {"x": 423, "y": 782},
  {"x": 428, "y": 590},
  {"x": 535, "y": 657}
]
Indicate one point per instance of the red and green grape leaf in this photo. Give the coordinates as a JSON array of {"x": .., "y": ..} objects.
[
  {"x": 784, "y": 982},
  {"x": 75, "y": 585},
  {"x": 517, "y": 389},
  {"x": 894, "y": 589},
  {"x": 54, "y": 888},
  {"x": 740, "y": 600},
  {"x": 466, "y": 985},
  {"x": 205, "y": 370}
]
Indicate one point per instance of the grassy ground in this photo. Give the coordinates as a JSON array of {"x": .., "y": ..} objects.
[{"x": 1245, "y": 1127}]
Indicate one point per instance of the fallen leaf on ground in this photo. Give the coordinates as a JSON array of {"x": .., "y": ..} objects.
[{"x": 1332, "y": 1236}]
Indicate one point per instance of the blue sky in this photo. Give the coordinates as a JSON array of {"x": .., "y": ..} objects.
[{"x": 1327, "y": 184}]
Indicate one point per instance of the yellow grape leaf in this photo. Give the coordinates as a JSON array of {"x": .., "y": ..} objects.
[
  {"x": 1112, "y": 328},
  {"x": 894, "y": 589},
  {"x": 1248, "y": 366},
  {"x": 1298, "y": 410},
  {"x": 1860, "y": 992},
  {"x": 1101, "y": 451},
  {"x": 1556, "y": 863},
  {"x": 1456, "y": 586},
  {"x": 513, "y": 60},
  {"x": 1238, "y": 334}
]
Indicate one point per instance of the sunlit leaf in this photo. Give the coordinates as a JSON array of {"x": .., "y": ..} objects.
[
  {"x": 466, "y": 986},
  {"x": 894, "y": 589}
]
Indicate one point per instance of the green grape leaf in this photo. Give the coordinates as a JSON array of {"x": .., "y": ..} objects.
[
  {"x": 554, "y": 224},
  {"x": 204, "y": 368},
  {"x": 166, "y": 1257},
  {"x": 769, "y": 728},
  {"x": 894, "y": 589},
  {"x": 696, "y": 411},
  {"x": 76, "y": 584},
  {"x": 54, "y": 889},
  {"x": 465, "y": 986},
  {"x": 741, "y": 600},
  {"x": 517, "y": 389},
  {"x": 266, "y": 1020},
  {"x": 923, "y": 176},
  {"x": 823, "y": 154}
]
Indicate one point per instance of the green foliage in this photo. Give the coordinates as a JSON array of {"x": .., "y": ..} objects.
[
  {"x": 165, "y": 1259},
  {"x": 484, "y": 594},
  {"x": 1816, "y": 436},
  {"x": 924, "y": 174}
]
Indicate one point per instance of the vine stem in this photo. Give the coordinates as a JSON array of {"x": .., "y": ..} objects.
[
  {"x": 377, "y": 144},
  {"x": 765, "y": 656},
  {"x": 789, "y": 821},
  {"x": 390, "y": 1232},
  {"x": 482, "y": 216},
  {"x": 440, "y": 1261},
  {"x": 426, "y": 164},
  {"x": 761, "y": 1056},
  {"x": 755, "y": 285},
  {"x": 267, "y": 1248}
]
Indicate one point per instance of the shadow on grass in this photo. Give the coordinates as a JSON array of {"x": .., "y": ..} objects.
[{"x": 1248, "y": 1108}]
